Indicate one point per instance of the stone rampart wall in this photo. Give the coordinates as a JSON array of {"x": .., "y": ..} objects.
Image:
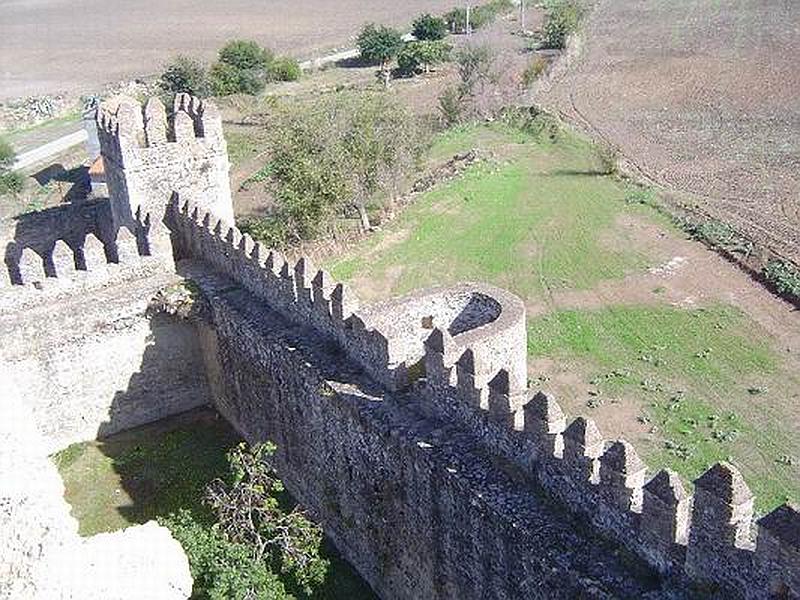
[
  {"x": 705, "y": 538},
  {"x": 413, "y": 502}
]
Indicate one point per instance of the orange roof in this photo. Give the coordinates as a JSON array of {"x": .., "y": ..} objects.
[{"x": 97, "y": 168}]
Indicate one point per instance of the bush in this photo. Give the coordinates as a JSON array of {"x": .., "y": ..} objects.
[
  {"x": 564, "y": 18},
  {"x": 331, "y": 158},
  {"x": 430, "y": 28},
  {"x": 185, "y": 74},
  {"x": 533, "y": 71},
  {"x": 11, "y": 182},
  {"x": 284, "y": 68},
  {"x": 451, "y": 106},
  {"x": 456, "y": 19},
  {"x": 425, "y": 54},
  {"x": 784, "y": 276},
  {"x": 225, "y": 79},
  {"x": 245, "y": 55}
]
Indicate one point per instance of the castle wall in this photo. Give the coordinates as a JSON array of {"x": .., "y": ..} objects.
[
  {"x": 412, "y": 502},
  {"x": 289, "y": 348},
  {"x": 91, "y": 367}
]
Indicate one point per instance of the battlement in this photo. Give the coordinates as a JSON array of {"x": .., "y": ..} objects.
[
  {"x": 706, "y": 537},
  {"x": 131, "y": 132},
  {"x": 69, "y": 266},
  {"x": 470, "y": 341},
  {"x": 386, "y": 340}
]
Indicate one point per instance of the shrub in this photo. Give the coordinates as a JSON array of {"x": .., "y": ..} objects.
[
  {"x": 249, "y": 514},
  {"x": 784, "y": 276},
  {"x": 533, "y": 71},
  {"x": 11, "y": 182},
  {"x": 284, "y": 68},
  {"x": 7, "y": 155},
  {"x": 185, "y": 74},
  {"x": 563, "y": 19},
  {"x": 474, "y": 65},
  {"x": 456, "y": 19},
  {"x": 225, "y": 79},
  {"x": 425, "y": 54},
  {"x": 451, "y": 106},
  {"x": 430, "y": 28},
  {"x": 245, "y": 55}
]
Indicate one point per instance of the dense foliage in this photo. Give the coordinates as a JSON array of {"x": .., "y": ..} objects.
[
  {"x": 10, "y": 181},
  {"x": 476, "y": 76},
  {"x": 428, "y": 27},
  {"x": 185, "y": 74},
  {"x": 416, "y": 56},
  {"x": 243, "y": 67},
  {"x": 784, "y": 276},
  {"x": 564, "y": 17},
  {"x": 237, "y": 550},
  {"x": 331, "y": 159},
  {"x": 379, "y": 45}
]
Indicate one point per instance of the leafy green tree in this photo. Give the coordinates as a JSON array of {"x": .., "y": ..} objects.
[
  {"x": 221, "y": 569},
  {"x": 245, "y": 55},
  {"x": 225, "y": 79},
  {"x": 428, "y": 27},
  {"x": 332, "y": 158},
  {"x": 563, "y": 19},
  {"x": 379, "y": 45},
  {"x": 185, "y": 74},
  {"x": 249, "y": 514},
  {"x": 425, "y": 54}
]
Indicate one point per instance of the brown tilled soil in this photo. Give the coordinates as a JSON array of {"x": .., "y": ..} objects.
[
  {"x": 47, "y": 46},
  {"x": 703, "y": 97}
]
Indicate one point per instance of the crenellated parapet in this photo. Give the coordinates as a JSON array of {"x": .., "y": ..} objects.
[{"x": 70, "y": 266}]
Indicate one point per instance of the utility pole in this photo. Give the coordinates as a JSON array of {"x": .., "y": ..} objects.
[
  {"x": 522, "y": 15},
  {"x": 469, "y": 27}
]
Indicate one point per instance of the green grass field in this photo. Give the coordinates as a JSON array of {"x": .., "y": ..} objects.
[
  {"x": 540, "y": 217},
  {"x": 155, "y": 470}
]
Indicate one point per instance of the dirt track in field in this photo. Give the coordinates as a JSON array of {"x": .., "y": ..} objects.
[
  {"x": 701, "y": 96},
  {"x": 47, "y": 46}
]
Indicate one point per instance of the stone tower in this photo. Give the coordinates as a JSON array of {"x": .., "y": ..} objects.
[{"x": 149, "y": 155}]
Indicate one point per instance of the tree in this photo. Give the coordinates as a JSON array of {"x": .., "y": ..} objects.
[
  {"x": 10, "y": 181},
  {"x": 245, "y": 55},
  {"x": 249, "y": 513},
  {"x": 226, "y": 79},
  {"x": 330, "y": 159},
  {"x": 423, "y": 54},
  {"x": 379, "y": 45},
  {"x": 428, "y": 27},
  {"x": 563, "y": 19},
  {"x": 185, "y": 74}
]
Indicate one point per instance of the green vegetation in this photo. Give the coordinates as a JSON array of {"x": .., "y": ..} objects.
[
  {"x": 379, "y": 45},
  {"x": 784, "y": 276},
  {"x": 10, "y": 181},
  {"x": 161, "y": 472},
  {"x": 416, "y": 56},
  {"x": 185, "y": 75},
  {"x": 479, "y": 16},
  {"x": 331, "y": 159},
  {"x": 475, "y": 69},
  {"x": 430, "y": 28},
  {"x": 542, "y": 219},
  {"x": 243, "y": 67},
  {"x": 533, "y": 223},
  {"x": 533, "y": 71},
  {"x": 563, "y": 18}
]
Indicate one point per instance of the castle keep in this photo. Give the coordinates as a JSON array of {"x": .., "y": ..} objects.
[{"x": 406, "y": 427}]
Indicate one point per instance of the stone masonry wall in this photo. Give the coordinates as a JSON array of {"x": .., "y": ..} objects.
[{"x": 268, "y": 390}]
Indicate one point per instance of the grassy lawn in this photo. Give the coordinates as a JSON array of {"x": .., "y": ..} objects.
[
  {"x": 156, "y": 470},
  {"x": 539, "y": 217}
]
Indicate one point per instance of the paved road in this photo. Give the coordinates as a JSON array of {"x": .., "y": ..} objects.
[{"x": 44, "y": 152}]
